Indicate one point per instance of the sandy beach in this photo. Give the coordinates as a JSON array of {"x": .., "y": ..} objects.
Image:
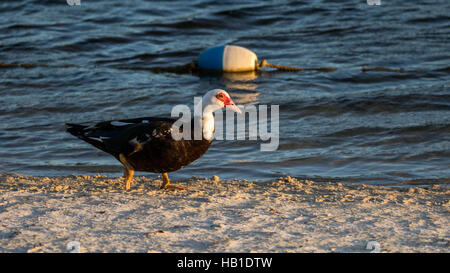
[{"x": 45, "y": 214}]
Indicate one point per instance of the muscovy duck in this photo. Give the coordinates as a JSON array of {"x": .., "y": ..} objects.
[{"x": 146, "y": 144}]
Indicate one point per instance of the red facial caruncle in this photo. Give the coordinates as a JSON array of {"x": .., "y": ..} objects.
[
  {"x": 228, "y": 102},
  {"x": 224, "y": 98}
]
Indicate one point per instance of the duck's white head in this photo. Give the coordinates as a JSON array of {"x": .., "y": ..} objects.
[
  {"x": 217, "y": 99},
  {"x": 212, "y": 101}
]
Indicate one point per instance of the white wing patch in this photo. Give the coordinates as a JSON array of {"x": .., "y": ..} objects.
[
  {"x": 134, "y": 141},
  {"x": 96, "y": 139},
  {"x": 156, "y": 133},
  {"x": 100, "y": 139},
  {"x": 89, "y": 128},
  {"x": 119, "y": 123}
]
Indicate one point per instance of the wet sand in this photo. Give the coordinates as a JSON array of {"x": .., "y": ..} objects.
[{"x": 45, "y": 214}]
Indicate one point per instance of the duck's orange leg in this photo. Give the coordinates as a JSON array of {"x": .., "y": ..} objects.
[{"x": 128, "y": 173}]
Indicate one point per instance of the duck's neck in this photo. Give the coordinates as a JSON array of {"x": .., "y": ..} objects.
[{"x": 206, "y": 121}]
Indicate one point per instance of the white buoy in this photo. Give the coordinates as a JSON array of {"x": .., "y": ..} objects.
[
  {"x": 231, "y": 58},
  {"x": 228, "y": 58}
]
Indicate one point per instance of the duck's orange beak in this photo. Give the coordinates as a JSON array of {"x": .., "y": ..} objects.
[{"x": 233, "y": 107}]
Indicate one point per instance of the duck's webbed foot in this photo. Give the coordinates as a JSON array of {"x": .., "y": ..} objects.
[{"x": 167, "y": 186}]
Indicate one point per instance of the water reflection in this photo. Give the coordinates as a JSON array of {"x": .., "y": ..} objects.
[
  {"x": 245, "y": 98},
  {"x": 242, "y": 80}
]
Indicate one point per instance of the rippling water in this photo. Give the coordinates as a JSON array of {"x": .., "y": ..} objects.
[{"x": 94, "y": 62}]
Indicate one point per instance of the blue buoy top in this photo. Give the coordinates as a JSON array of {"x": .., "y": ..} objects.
[
  {"x": 228, "y": 58},
  {"x": 212, "y": 58}
]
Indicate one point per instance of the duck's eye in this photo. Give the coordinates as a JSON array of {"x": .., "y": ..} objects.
[{"x": 220, "y": 95}]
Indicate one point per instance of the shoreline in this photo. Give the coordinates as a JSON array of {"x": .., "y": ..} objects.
[{"x": 44, "y": 214}]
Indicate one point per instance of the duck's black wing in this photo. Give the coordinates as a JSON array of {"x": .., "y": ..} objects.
[
  {"x": 146, "y": 143},
  {"x": 123, "y": 136}
]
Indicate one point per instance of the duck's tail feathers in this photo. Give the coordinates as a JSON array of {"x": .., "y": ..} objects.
[
  {"x": 75, "y": 129},
  {"x": 85, "y": 133}
]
